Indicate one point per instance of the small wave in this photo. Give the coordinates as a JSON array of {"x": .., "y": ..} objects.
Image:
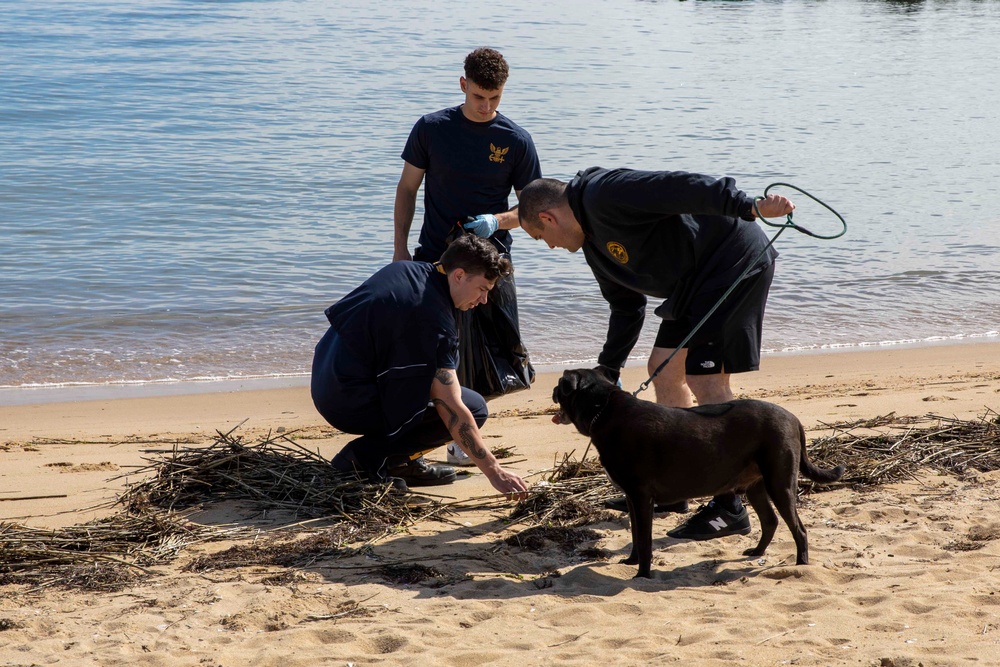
[
  {"x": 863, "y": 345},
  {"x": 161, "y": 381}
]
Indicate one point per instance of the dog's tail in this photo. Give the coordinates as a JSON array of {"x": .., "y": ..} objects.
[{"x": 813, "y": 472}]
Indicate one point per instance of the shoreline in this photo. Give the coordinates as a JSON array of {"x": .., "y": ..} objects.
[
  {"x": 814, "y": 386},
  {"x": 76, "y": 392}
]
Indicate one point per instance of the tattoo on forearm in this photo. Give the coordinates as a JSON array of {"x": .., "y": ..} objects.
[
  {"x": 452, "y": 415},
  {"x": 444, "y": 376},
  {"x": 466, "y": 432}
]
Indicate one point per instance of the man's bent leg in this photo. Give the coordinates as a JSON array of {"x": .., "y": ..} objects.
[
  {"x": 431, "y": 433},
  {"x": 405, "y": 458}
]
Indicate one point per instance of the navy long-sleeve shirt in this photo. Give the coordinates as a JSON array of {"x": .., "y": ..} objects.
[
  {"x": 665, "y": 234},
  {"x": 392, "y": 334}
]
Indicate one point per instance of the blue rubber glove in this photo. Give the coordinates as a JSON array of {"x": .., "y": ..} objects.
[{"x": 484, "y": 225}]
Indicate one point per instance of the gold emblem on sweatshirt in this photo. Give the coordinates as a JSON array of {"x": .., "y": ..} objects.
[
  {"x": 497, "y": 153},
  {"x": 618, "y": 251}
]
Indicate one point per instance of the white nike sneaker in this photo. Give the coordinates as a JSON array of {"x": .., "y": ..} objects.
[{"x": 457, "y": 457}]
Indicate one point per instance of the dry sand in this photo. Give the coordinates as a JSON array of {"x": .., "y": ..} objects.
[{"x": 886, "y": 585}]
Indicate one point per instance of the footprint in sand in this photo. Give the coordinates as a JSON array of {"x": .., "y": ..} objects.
[{"x": 939, "y": 398}]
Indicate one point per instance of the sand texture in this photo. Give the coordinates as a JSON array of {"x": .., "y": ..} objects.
[{"x": 903, "y": 573}]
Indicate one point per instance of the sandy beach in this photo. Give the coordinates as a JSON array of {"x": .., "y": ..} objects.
[{"x": 886, "y": 585}]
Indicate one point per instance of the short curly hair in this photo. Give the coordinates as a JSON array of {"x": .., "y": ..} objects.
[
  {"x": 486, "y": 68},
  {"x": 475, "y": 255}
]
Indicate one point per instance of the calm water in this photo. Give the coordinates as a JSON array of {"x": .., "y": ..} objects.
[{"x": 185, "y": 186}]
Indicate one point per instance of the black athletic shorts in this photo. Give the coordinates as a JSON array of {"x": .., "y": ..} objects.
[{"x": 729, "y": 342}]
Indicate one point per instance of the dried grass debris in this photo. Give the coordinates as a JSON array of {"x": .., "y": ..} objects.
[
  {"x": 889, "y": 449},
  {"x": 275, "y": 473},
  {"x": 408, "y": 573},
  {"x": 108, "y": 554},
  {"x": 572, "y": 494}
]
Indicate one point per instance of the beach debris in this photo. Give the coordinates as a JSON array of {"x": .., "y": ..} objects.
[
  {"x": 976, "y": 538},
  {"x": 503, "y": 452},
  {"x": 274, "y": 473},
  {"x": 349, "y": 609},
  {"x": 152, "y": 524},
  {"x": 570, "y": 494},
  {"x": 54, "y": 495},
  {"x": 408, "y": 573},
  {"x": 341, "y": 540},
  {"x": 10, "y": 624},
  {"x": 891, "y": 448},
  {"x": 107, "y": 554}
]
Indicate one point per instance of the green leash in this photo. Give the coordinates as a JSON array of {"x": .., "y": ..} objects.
[{"x": 788, "y": 224}]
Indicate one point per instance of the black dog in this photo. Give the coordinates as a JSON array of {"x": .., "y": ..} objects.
[{"x": 665, "y": 455}]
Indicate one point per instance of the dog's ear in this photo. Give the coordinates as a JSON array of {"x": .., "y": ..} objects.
[{"x": 567, "y": 385}]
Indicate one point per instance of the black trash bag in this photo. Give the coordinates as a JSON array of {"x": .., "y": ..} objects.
[{"x": 493, "y": 361}]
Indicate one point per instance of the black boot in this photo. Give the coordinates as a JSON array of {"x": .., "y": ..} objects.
[
  {"x": 347, "y": 462},
  {"x": 417, "y": 472}
]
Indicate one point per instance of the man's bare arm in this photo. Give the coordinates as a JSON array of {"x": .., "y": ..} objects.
[
  {"x": 404, "y": 208},
  {"x": 446, "y": 395},
  {"x": 508, "y": 219}
]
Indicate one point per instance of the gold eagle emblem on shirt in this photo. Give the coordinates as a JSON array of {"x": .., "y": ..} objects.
[
  {"x": 497, "y": 153},
  {"x": 618, "y": 251}
]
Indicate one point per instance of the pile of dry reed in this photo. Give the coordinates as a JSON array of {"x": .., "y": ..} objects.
[
  {"x": 570, "y": 495},
  {"x": 275, "y": 474},
  {"x": 890, "y": 449},
  {"x": 108, "y": 554}
]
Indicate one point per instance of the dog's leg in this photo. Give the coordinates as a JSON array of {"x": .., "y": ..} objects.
[
  {"x": 640, "y": 515},
  {"x": 783, "y": 495},
  {"x": 757, "y": 495},
  {"x": 633, "y": 556}
]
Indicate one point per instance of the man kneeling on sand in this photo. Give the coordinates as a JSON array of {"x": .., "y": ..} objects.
[{"x": 385, "y": 370}]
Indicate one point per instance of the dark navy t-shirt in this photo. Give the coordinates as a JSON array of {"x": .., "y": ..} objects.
[{"x": 471, "y": 169}]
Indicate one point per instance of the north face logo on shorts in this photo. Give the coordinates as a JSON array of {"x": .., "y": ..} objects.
[{"x": 708, "y": 364}]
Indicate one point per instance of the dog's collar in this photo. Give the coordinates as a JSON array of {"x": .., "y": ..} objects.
[{"x": 599, "y": 413}]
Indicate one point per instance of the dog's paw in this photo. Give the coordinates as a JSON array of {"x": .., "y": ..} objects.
[
  {"x": 631, "y": 560},
  {"x": 755, "y": 552}
]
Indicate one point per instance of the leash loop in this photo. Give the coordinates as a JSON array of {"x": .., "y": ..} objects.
[{"x": 789, "y": 224}]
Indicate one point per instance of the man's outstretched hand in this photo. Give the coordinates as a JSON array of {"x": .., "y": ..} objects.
[{"x": 509, "y": 484}]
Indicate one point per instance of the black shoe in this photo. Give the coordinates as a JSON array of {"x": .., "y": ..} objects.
[
  {"x": 620, "y": 505},
  {"x": 711, "y": 521},
  {"x": 418, "y": 472},
  {"x": 348, "y": 465}
]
